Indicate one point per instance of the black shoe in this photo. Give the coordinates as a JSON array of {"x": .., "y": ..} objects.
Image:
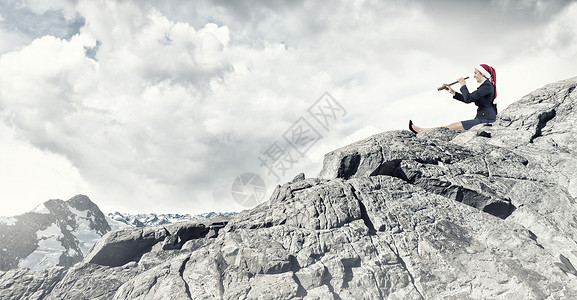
[{"x": 411, "y": 127}]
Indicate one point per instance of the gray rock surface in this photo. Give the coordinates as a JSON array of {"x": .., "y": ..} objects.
[
  {"x": 489, "y": 213},
  {"x": 30, "y": 285}
]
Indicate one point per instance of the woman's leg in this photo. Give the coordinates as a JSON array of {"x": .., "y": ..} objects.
[
  {"x": 416, "y": 128},
  {"x": 454, "y": 126}
]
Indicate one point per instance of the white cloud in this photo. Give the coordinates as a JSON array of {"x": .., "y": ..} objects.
[
  {"x": 561, "y": 35},
  {"x": 30, "y": 176},
  {"x": 22, "y": 21},
  {"x": 39, "y": 7},
  {"x": 156, "y": 114}
]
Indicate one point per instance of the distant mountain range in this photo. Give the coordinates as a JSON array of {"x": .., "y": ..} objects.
[
  {"x": 60, "y": 233},
  {"x": 152, "y": 219}
]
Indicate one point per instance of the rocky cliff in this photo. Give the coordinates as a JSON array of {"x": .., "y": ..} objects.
[{"x": 485, "y": 214}]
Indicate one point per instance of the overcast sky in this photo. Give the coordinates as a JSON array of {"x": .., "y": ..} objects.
[{"x": 158, "y": 106}]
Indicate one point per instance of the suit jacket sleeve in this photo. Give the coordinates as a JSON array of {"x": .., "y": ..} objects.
[{"x": 481, "y": 93}]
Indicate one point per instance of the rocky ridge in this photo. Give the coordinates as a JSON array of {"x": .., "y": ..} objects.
[{"x": 486, "y": 213}]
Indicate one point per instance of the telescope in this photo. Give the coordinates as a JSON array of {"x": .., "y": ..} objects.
[{"x": 444, "y": 86}]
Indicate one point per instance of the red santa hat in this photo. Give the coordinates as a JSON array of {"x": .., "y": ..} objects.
[{"x": 489, "y": 73}]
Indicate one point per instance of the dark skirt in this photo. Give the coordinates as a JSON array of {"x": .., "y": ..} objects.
[{"x": 470, "y": 123}]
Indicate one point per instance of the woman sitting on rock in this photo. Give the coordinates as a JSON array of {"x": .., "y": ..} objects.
[{"x": 483, "y": 97}]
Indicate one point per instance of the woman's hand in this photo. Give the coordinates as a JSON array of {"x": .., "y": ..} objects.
[
  {"x": 448, "y": 88},
  {"x": 462, "y": 81}
]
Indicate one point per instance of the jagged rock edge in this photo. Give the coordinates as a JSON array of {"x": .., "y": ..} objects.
[{"x": 393, "y": 169}]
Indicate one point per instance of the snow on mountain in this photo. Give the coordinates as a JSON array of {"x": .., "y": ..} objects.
[
  {"x": 55, "y": 233},
  {"x": 83, "y": 232},
  {"x": 7, "y": 221},
  {"x": 41, "y": 209},
  {"x": 49, "y": 249},
  {"x": 152, "y": 219}
]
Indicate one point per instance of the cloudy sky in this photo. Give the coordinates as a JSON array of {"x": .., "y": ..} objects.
[{"x": 159, "y": 106}]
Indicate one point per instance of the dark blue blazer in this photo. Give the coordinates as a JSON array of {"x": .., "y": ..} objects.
[{"x": 483, "y": 98}]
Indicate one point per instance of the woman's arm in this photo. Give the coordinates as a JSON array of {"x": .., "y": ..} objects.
[
  {"x": 465, "y": 96},
  {"x": 456, "y": 95},
  {"x": 480, "y": 93}
]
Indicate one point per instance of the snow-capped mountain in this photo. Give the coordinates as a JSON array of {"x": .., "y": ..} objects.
[
  {"x": 55, "y": 233},
  {"x": 152, "y": 219},
  {"x": 60, "y": 233}
]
